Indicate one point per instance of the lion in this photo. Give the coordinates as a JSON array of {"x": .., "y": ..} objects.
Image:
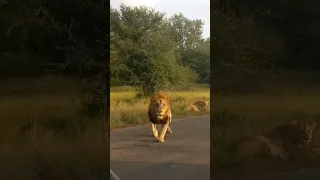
[
  {"x": 199, "y": 105},
  {"x": 283, "y": 142},
  {"x": 159, "y": 112}
]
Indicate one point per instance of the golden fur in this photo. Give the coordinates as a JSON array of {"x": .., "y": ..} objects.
[
  {"x": 159, "y": 112},
  {"x": 199, "y": 105},
  {"x": 282, "y": 142}
]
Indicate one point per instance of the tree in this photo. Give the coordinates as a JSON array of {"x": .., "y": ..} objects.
[
  {"x": 187, "y": 35},
  {"x": 143, "y": 52},
  {"x": 45, "y": 32},
  {"x": 296, "y": 22},
  {"x": 245, "y": 45},
  {"x": 199, "y": 60}
]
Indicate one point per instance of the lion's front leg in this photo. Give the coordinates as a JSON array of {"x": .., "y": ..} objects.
[
  {"x": 163, "y": 132},
  {"x": 169, "y": 131},
  {"x": 154, "y": 130}
]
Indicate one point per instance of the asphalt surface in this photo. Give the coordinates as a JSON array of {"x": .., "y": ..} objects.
[
  {"x": 309, "y": 174},
  {"x": 184, "y": 155}
]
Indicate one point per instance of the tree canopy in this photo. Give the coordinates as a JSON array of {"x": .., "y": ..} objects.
[
  {"x": 257, "y": 37},
  {"x": 152, "y": 51},
  {"x": 68, "y": 36}
]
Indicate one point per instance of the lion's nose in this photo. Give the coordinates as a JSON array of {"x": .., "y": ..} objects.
[{"x": 160, "y": 111}]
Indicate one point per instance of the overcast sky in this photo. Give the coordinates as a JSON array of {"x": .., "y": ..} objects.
[{"x": 192, "y": 9}]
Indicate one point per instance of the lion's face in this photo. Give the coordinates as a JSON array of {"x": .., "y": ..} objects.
[
  {"x": 306, "y": 130},
  {"x": 161, "y": 107}
]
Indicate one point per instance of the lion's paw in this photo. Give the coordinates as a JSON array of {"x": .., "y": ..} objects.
[
  {"x": 169, "y": 132},
  {"x": 160, "y": 140},
  {"x": 155, "y": 134}
]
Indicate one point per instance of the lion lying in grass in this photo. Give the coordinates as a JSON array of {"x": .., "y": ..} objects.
[
  {"x": 283, "y": 142},
  {"x": 199, "y": 106},
  {"x": 159, "y": 112}
]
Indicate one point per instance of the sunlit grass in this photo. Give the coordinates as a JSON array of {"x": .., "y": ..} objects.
[{"x": 127, "y": 110}]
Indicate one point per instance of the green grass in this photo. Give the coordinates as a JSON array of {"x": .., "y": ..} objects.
[
  {"x": 264, "y": 106},
  {"x": 46, "y": 131},
  {"x": 126, "y": 110}
]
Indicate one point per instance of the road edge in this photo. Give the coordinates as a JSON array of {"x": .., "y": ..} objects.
[{"x": 189, "y": 117}]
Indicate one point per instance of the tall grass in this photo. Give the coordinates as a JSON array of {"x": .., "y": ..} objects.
[
  {"x": 127, "y": 110},
  {"x": 47, "y": 133},
  {"x": 49, "y": 128},
  {"x": 247, "y": 114}
]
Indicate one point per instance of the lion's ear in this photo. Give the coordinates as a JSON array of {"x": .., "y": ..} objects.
[
  {"x": 155, "y": 97},
  {"x": 298, "y": 123},
  {"x": 167, "y": 99},
  {"x": 153, "y": 100},
  {"x": 295, "y": 122}
]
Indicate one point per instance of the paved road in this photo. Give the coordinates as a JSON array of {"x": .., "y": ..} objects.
[
  {"x": 184, "y": 155},
  {"x": 310, "y": 174}
]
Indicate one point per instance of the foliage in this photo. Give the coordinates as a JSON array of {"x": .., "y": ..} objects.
[
  {"x": 57, "y": 33},
  {"x": 126, "y": 110},
  {"x": 56, "y": 37},
  {"x": 243, "y": 44},
  {"x": 145, "y": 50},
  {"x": 187, "y": 35},
  {"x": 199, "y": 60},
  {"x": 292, "y": 25}
]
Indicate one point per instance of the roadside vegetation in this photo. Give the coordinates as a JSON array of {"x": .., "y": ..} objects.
[
  {"x": 263, "y": 77},
  {"x": 151, "y": 52},
  {"x": 50, "y": 129},
  {"x": 127, "y": 110},
  {"x": 53, "y": 123}
]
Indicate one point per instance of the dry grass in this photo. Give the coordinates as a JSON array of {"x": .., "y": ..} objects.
[
  {"x": 126, "y": 110},
  {"x": 46, "y": 132},
  {"x": 49, "y": 130},
  {"x": 247, "y": 114}
]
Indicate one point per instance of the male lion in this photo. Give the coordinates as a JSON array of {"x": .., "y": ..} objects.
[
  {"x": 159, "y": 112},
  {"x": 282, "y": 142}
]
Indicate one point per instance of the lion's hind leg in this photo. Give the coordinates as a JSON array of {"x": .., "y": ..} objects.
[{"x": 252, "y": 147}]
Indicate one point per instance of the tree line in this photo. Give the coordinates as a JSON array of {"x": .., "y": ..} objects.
[
  {"x": 153, "y": 51},
  {"x": 63, "y": 36},
  {"x": 66, "y": 37},
  {"x": 261, "y": 37}
]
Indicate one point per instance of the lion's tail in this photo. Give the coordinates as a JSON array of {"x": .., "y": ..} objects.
[{"x": 194, "y": 108}]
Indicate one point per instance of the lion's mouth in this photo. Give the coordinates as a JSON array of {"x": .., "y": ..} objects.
[
  {"x": 303, "y": 143},
  {"x": 159, "y": 116},
  {"x": 300, "y": 145},
  {"x": 306, "y": 141}
]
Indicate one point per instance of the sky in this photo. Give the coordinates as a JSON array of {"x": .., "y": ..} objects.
[{"x": 192, "y": 9}]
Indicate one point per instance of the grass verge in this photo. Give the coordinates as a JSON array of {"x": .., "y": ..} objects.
[
  {"x": 238, "y": 116},
  {"x": 48, "y": 131},
  {"x": 126, "y": 110}
]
